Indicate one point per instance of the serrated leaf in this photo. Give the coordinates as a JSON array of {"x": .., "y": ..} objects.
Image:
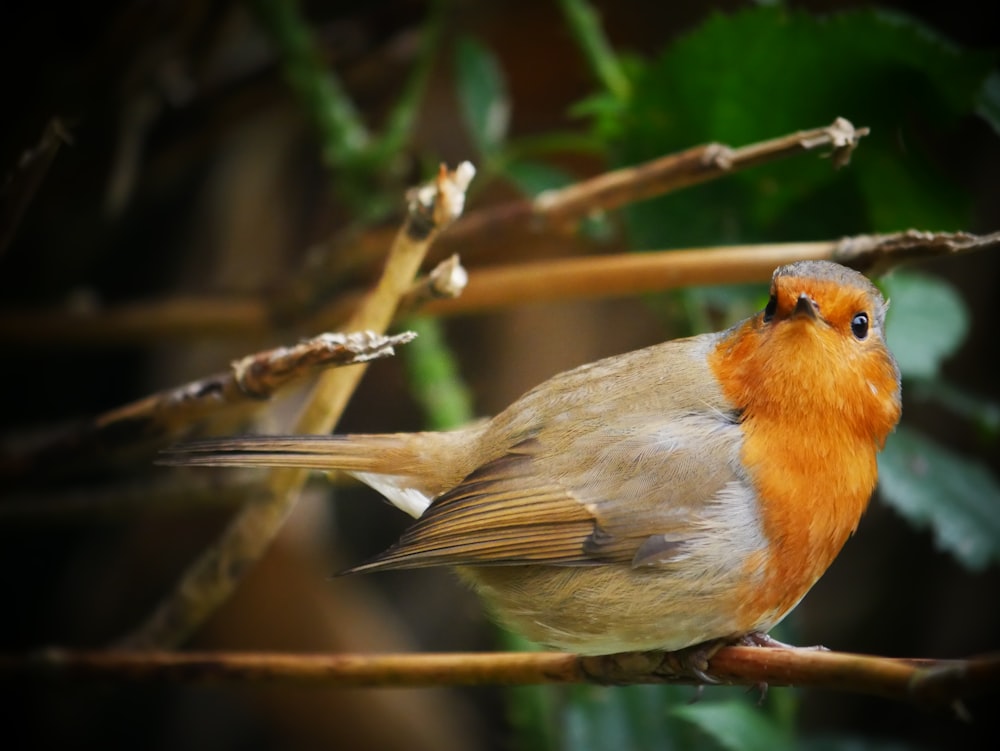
[
  {"x": 933, "y": 486},
  {"x": 482, "y": 94},
  {"x": 927, "y": 322},
  {"x": 736, "y": 726}
]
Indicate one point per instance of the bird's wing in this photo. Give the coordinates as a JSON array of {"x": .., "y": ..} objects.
[{"x": 630, "y": 500}]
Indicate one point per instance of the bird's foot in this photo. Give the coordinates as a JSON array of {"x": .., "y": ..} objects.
[
  {"x": 692, "y": 662},
  {"x": 684, "y": 665}
]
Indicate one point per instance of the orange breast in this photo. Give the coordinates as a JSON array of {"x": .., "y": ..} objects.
[{"x": 808, "y": 448}]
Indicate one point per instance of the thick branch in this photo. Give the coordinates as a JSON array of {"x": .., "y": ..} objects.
[
  {"x": 626, "y": 274},
  {"x": 929, "y": 682},
  {"x": 492, "y": 287}
]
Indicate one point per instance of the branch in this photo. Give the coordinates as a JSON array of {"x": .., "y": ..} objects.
[
  {"x": 627, "y": 274},
  {"x": 506, "y": 225},
  {"x": 492, "y": 287},
  {"x": 554, "y": 212},
  {"x": 939, "y": 683},
  {"x": 249, "y": 381},
  {"x": 211, "y": 578},
  {"x": 697, "y": 165}
]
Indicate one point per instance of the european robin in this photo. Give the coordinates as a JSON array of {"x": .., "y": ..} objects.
[{"x": 685, "y": 493}]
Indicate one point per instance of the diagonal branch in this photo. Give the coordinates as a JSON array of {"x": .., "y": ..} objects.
[
  {"x": 696, "y": 165},
  {"x": 249, "y": 381},
  {"x": 214, "y": 575}
]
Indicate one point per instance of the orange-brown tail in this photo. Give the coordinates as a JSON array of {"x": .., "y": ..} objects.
[{"x": 409, "y": 469}]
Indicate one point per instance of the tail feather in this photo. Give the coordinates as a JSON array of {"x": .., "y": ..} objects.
[
  {"x": 409, "y": 469},
  {"x": 351, "y": 453}
]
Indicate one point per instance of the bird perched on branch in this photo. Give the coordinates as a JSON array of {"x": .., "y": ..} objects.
[{"x": 687, "y": 493}]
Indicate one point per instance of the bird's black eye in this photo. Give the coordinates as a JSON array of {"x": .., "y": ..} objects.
[
  {"x": 772, "y": 305},
  {"x": 859, "y": 325}
]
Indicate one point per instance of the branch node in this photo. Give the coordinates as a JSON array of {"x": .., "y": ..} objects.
[
  {"x": 437, "y": 204},
  {"x": 843, "y": 138},
  {"x": 718, "y": 155}
]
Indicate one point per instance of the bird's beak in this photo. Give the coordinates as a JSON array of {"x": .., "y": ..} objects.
[{"x": 805, "y": 306}]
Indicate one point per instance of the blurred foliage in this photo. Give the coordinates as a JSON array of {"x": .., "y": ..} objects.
[
  {"x": 768, "y": 71},
  {"x": 930, "y": 485},
  {"x": 746, "y": 77}
]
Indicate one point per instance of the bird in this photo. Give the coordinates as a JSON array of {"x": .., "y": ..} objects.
[{"x": 688, "y": 493}]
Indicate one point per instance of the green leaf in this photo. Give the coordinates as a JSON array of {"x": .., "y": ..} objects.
[
  {"x": 532, "y": 177},
  {"x": 933, "y": 486},
  {"x": 926, "y": 323},
  {"x": 435, "y": 379},
  {"x": 482, "y": 94},
  {"x": 730, "y": 81},
  {"x": 630, "y": 718},
  {"x": 736, "y": 726}
]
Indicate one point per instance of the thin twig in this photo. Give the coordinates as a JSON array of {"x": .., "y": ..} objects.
[
  {"x": 614, "y": 189},
  {"x": 211, "y": 578},
  {"x": 493, "y": 287},
  {"x": 939, "y": 683},
  {"x": 691, "y": 167},
  {"x": 249, "y": 381}
]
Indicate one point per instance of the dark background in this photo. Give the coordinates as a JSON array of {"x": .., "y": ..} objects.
[{"x": 191, "y": 170}]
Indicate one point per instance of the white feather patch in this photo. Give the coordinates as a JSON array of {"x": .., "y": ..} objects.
[{"x": 414, "y": 502}]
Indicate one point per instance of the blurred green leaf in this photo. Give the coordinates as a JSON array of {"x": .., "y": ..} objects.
[
  {"x": 629, "y": 718},
  {"x": 933, "y": 486},
  {"x": 730, "y": 81},
  {"x": 584, "y": 25},
  {"x": 435, "y": 380},
  {"x": 637, "y": 718},
  {"x": 482, "y": 94},
  {"x": 852, "y": 744},
  {"x": 531, "y": 177},
  {"x": 927, "y": 322},
  {"x": 736, "y": 726}
]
